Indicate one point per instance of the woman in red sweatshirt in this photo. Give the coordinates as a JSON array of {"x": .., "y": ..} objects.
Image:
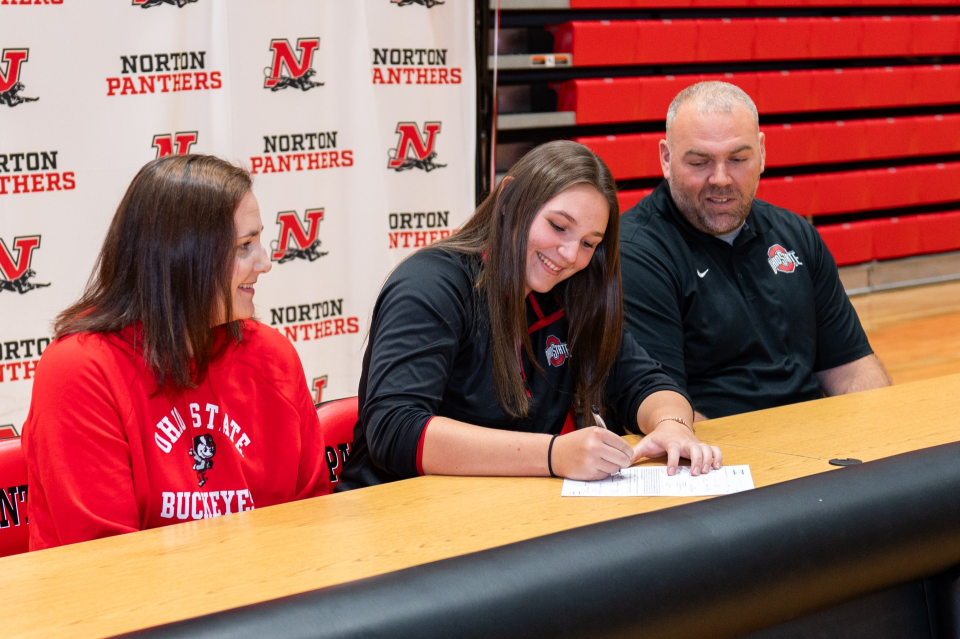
[{"x": 161, "y": 400}]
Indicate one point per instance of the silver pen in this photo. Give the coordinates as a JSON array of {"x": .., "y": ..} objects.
[
  {"x": 599, "y": 421},
  {"x": 597, "y": 418}
]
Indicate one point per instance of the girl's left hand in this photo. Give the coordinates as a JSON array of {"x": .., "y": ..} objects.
[{"x": 676, "y": 441}]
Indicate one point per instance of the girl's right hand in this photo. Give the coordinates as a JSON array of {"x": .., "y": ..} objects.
[{"x": 589, "y": 454}]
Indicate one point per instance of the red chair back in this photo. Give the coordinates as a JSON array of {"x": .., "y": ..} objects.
[
  {"x": 14, "y": 535},
  {"x": 337, "y": 419}
]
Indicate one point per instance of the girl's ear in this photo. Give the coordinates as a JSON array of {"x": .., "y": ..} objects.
[{"x": 506, "y": 180}]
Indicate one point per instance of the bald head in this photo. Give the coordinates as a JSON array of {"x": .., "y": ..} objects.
[
  {"x": 711, "y": 97},
  {"x": 713, "y": 155}
]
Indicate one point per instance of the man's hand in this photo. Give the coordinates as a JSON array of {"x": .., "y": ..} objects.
[
  {"x": 676, "y": 441},
  {"x": 590, "y": 453}
]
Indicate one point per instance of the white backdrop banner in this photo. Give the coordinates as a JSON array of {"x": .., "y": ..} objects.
[{"x": 356, "y": 118}]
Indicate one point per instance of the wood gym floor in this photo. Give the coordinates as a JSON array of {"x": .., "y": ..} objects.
[{"x": 915, "y": 331}]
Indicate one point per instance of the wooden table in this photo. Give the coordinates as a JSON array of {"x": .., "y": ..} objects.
[{"x": 140, "y": 580}]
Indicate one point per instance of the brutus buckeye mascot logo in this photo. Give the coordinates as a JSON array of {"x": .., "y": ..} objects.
[
  {"x": 146, "y": 4},
  {"x": 781, "y": 260},
  {"x": 298, "y": 240},
  {"x": 15, "y": 265},
  {"x": 556, "y": 350},
  {"x": 170, "y": 143},
  {"x": 202, "y": 451},
  {"x": 415, "y": 150},
  {"x": 11, "y": 66},
  {"x": 290, "y": 69},
  {"x": 429, "y": 4}
]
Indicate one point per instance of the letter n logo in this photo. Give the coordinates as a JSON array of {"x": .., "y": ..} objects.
[
  {"x": 284, "y": 58},
  {"x": 295, "y": 236},
  {"x": 415, "y": 150},
  {"x": 319, "y": 383},
  {"x": 12, "y": 268},
  {"x": 164, "y": 143},
  {"x": 10, "y": 62}
]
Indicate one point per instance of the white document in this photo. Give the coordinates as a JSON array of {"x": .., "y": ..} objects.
[{"x": 653, "y": 481}]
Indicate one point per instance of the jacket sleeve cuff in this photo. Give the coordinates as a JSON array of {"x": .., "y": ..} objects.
[{"x": 423, "y": 436}]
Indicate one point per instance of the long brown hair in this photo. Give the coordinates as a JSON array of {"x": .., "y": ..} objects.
[
  {"x": 167, "y": 261},
  {"x": 592, "y": 298}
]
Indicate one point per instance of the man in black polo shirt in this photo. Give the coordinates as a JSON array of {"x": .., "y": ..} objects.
[{"x": 738, "y": 299}]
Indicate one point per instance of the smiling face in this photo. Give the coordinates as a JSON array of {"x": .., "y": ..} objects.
[
  {"x": 712, "y": 162},
  {"x": 563, "y": 236},
  {"x": 251, "y": 257}
]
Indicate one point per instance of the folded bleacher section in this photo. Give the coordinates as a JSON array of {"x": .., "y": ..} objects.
[{"x": 859, "y": 100}]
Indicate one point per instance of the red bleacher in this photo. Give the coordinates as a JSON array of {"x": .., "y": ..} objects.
[
  {"x": 636, "y": 155},
  {"x": 881, "y": 239},
  {"x": 628, "y": 198},
  {"x": 887, "y": 90},
  {"x": 607, "y": 100},
  {"x": 644, "y": 42},
  {"x": 851, "y": 191},
  {"x": 702, "y": 4},
  {"x": 890, "y": 238}
]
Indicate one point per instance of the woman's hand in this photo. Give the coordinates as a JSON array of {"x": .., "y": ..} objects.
[
  {"x": 676, "y": 440},
  {"x": 590, "y": 453}
]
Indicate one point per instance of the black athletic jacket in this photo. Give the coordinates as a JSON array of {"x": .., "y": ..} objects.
[{"x": 429, "y": 354}]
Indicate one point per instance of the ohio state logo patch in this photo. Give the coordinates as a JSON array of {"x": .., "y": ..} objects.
[
  {"x": 11, "y": 65},
  {"x": 170, "y": 143},
  {"x": 429, "y": 4},
  {"x": 202, "y": 451},
  {"x": 15, "y": 271},
  {"x": 781, "y": 260},
  {"x": 298, "y": 240},
  {"x": 290, "y": 69},
  {"x": 556, "y": 350},
  {"x": 146, "y": 4},
  {"x": 415, "y": 150}
]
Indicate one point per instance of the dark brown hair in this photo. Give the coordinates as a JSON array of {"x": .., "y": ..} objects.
[
  {"x": 167, "y": 261},
  {"x": 592, "y": 298}
]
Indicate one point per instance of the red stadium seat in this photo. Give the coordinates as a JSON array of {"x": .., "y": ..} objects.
[
  {"x": 850, "y": 243},
  {"x": 629, "y": 198},
  {"x": 646, "y": 42},
  {"x": 934, "y": 34},
  {"x": 14, "y": 534},
  {"x": 337, "y": 419},
  {"x": 780, "y": 35},
  {"x": 601, "y": 101},
  {"x": 890, "y": 238},
  {"x": 627, "y": 156},
  {"x": 723, "y": 40}
]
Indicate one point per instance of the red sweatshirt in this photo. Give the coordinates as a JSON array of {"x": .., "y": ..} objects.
[{"x": 105, "y": 457}]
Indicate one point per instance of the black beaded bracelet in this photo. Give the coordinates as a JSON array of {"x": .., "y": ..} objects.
[{"x": 550, "y": 455}]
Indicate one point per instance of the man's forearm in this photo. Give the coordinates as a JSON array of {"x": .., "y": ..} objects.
[{"x": 863, "y": 374}]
